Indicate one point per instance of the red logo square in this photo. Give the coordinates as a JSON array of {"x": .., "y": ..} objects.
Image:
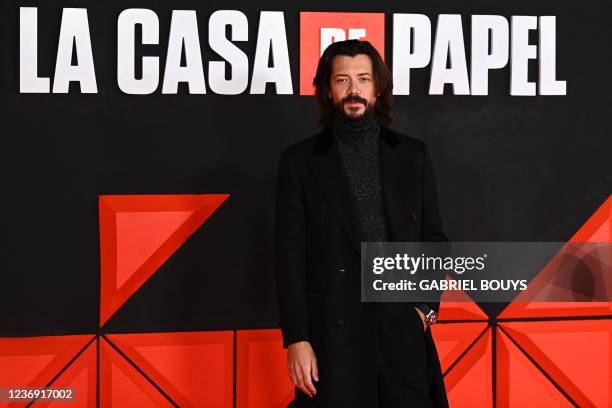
[{"x": 319, "y": 30}]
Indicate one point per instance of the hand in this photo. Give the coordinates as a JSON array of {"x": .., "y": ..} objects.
[
  {"x": 302, "y": 365},
  {"x": 422, "y": 316}
]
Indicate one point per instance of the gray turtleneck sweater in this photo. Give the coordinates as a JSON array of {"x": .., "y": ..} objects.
[{"x": 358, "y": 142}]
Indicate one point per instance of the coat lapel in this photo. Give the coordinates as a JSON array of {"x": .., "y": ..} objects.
[
  {"x": 329, "y": 173},
  {"x": 398, "y": 178}
]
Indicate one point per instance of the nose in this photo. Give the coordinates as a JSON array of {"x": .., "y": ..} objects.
[{"x": 354, "y": 90}]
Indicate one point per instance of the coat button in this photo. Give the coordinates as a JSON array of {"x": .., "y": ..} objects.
[
  {"x": 320, "y": 221},
  {"x": 413, "y": 215},
  {"x": 342, "y": 272},
  {"x": 341, "y": 324}
]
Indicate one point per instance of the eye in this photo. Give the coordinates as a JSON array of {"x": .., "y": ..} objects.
[
  {"x": 364, "y": 79},
  {"x": 341, "y": 80}
]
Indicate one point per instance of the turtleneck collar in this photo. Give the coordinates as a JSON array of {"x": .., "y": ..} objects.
[{"x": 347, "y": 128}]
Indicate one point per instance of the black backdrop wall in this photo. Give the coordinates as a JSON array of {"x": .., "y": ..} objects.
[{"x": 509, "y": 168}]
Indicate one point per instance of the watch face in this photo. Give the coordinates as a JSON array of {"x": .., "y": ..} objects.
[{"x": 432, "y": 317}]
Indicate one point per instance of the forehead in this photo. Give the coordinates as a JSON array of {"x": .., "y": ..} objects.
[{"x": 347, "y": 65}]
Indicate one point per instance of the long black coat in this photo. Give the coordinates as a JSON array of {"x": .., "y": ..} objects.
[{"x": 317, "y": 260}]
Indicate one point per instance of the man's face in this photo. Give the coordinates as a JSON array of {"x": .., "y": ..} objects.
[{"x": 352, "y": 89}]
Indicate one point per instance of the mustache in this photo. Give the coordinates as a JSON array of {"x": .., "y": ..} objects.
[{"x": 354, "y": 98}]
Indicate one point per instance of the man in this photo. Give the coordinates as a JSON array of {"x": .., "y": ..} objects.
[{"x": 355, "y": 181}]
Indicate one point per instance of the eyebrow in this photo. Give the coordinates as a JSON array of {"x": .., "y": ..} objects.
[{"x": 360, "y": 74}]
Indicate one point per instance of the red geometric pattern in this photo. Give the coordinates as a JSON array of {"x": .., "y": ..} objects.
[
  {"x": 81, "y": 376},
  {"x": 138, "y": 233},
  {"x": 539, "y": 363},
  {"x": 121, "y": 384},
  {"x": 470, "y": 381},
  {"x": 36, "y": 361},
  {"x": 575, "y": 354},
  {"x": 541, "y": 354},
  {"x": 456, "y": 305},
  {"x": 184, "y": 364},
  {"x": 571, "y": 353},
  {"x": 453, "y": 339},
  {"x": 261, "y": 370},
  {"x": 520, "y": 383},
  {"x": 596, "y": 229}
]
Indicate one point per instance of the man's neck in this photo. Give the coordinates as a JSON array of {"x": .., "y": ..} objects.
[{"x": 365, "y": 125}]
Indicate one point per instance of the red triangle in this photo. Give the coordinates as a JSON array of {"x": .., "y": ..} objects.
[
  {"x": 469, "y": 382},
  {"x": 591, "y": 230},
  {"x": 460, "y": 310},
  {"x": 452, "y": 339},
  {"x": 575, "y": 353},
  {"x": 596, "y": 229},
  {"x": 121, "y": 385},
  {"x": 206, "y": 381},
  {"x": 261, "y": 368},
  {"x": 458, "y": 305},
  {"x": 34, "y": 361},
  {"x": 138, "y": 233},
  {"x": 556, "y": 309},
  {"x": 80, "y": 375},
  {"x": 519, "y": 382},
  {"x": 603, "y": 234}
]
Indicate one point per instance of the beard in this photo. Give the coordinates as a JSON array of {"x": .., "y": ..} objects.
[{"x": 353, "y": 98}]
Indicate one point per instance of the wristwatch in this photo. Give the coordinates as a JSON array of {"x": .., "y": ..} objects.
[{"x": 431, "y": 316}]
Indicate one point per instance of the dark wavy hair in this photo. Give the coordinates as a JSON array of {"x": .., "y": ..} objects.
[{"x": 382, "y": 78}]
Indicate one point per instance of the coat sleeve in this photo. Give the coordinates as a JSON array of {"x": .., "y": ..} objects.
[
  {"x": 431, "y": 225},
  {"x": 290, "y": 254}
]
